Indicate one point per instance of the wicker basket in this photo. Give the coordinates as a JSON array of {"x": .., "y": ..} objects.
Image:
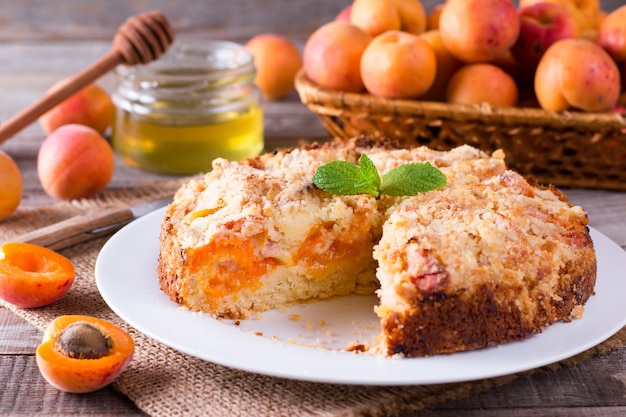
[{"x": 584, "y": 150}]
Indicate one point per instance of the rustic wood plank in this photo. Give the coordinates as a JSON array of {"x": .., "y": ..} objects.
[
  {"x": 17, "y": 336},
  {"x": 25, "y": 392}
]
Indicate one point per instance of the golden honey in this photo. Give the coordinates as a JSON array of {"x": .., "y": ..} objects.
[{"x": 193, "y": 105}]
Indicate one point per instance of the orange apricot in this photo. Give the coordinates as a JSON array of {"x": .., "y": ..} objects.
[
  {"x": 277, "y": 61},
  {"x": 33, "y": 276},
  {"x": 10, "y": 186},
  {"x": 82, "y": 354},
  {"x": 482, "y": 83}
]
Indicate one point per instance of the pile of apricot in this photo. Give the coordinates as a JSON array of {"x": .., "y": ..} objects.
[{"x": 473, "y": 52}]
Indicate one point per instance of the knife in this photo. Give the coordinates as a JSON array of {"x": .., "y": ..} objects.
[{"x": 91, "y": 225}]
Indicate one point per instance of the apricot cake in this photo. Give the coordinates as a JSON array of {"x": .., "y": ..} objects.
[{"x": 489, "y": 258}]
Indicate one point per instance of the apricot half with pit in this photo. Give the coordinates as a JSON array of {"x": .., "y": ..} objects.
[
  {"x": 81, "y": 354},
  {"x": 33, "y": 276}
]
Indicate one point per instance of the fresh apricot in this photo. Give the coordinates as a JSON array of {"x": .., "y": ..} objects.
[
  {"x": 92, "y": 106},
  {"x": 447, "y": 64},
  {"x": 482, "y": 83},
  {"x": 10, "y": 186},
  {"x": 579, "y": 74},
  {"x": 82, "y": 354},
  {"x": 479, "y": 30},
  {"x": 277, "y": 61},
  {"x": 398, "y": 64},
  {"x": 432, "y": 18},
  {"x": 33, "y": 276},
  {"x": 378, "y": 16},
  {"x": 74, "y": 161},
  {"x": 332, "y": 56}
]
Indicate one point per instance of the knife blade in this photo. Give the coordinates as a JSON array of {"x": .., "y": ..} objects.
[{"x": 91, "y": 225}]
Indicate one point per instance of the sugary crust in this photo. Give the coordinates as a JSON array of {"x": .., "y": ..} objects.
[{"x": 488, "y": 259}]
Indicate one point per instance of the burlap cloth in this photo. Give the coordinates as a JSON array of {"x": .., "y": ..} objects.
[{"x": 164, "y": 382}]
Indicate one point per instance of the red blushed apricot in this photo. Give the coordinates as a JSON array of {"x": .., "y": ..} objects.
[
  {"x": 33, "y": 276},
  {"x": 92, "y": 106},
  {"x": 332, "y": 56},
  {"x": 74, "y": 161},
  {"x": 82, "y": 354}
]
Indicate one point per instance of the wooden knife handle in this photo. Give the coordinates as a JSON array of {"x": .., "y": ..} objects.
[{"x": 80, "y": 228}]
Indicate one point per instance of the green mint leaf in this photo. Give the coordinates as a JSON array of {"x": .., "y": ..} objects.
[
  {"x": 346, "y": 178},
  {"x": 411, "y": 179}
]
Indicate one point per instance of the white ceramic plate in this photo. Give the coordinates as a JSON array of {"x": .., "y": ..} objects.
[{"x": 308, "y": 342}]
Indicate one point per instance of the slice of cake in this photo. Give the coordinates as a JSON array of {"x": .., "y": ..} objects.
[
  {"x": 481, "y": 262},
  {"x": 256, "y": 235},
  {"x": 488, "y": 259}
]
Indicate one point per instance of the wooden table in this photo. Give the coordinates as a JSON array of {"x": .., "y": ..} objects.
[{"x": 43, "y": 42}]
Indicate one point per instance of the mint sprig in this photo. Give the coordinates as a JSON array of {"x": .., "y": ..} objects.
[{"x": 346, "y": 178}]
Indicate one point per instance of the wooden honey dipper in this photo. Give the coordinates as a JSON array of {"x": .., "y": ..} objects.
[{"x": 140, "y": 39}]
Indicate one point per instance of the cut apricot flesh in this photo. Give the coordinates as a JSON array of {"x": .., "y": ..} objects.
[{"x": 33, "y": 276}]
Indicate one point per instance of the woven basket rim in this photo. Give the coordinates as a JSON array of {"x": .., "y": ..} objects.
[{"x": 335, "y": 103}]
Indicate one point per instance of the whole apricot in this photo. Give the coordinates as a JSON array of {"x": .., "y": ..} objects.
[
  {"x": 577, "y": 73},
  {"x": 378, "y": 16},
  {"x": 432, "y": 17},
  {"x": 74, "y": 161},
  {"x": 584, "y": 12},
  {"x": 92, "y": 106},
  {"x": 82, "y": 354},
  {"x": 479, "y": 30},
  {"x": 332, "y": 56},
  {"x": 10, "y": 186},
  {"x": 398, "y": 64},
  {"x": 482, "y": 83},
  {"x": 33, "y": 276},
  {"x": 277, "y": 61},
  {"x": 344, "y": 14},
  {"x": 447, "y": 65},
  {"x": 612, "y": 34}
]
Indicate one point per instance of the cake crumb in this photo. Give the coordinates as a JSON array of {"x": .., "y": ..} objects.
[{"x": 357, "y": 347}]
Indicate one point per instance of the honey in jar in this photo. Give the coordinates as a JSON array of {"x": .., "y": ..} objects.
[{"x": 196, "y": 103}]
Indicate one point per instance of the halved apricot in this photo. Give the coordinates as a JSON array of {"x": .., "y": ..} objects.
[
  {"x": 32, "y": 275},
  {"x": 82, "y": 354}
]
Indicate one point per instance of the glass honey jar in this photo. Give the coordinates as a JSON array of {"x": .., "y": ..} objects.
[{"x": 194, "y": 104}]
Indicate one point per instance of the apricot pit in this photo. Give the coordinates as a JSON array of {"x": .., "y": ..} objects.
[{"x": 83, "y": 341}]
